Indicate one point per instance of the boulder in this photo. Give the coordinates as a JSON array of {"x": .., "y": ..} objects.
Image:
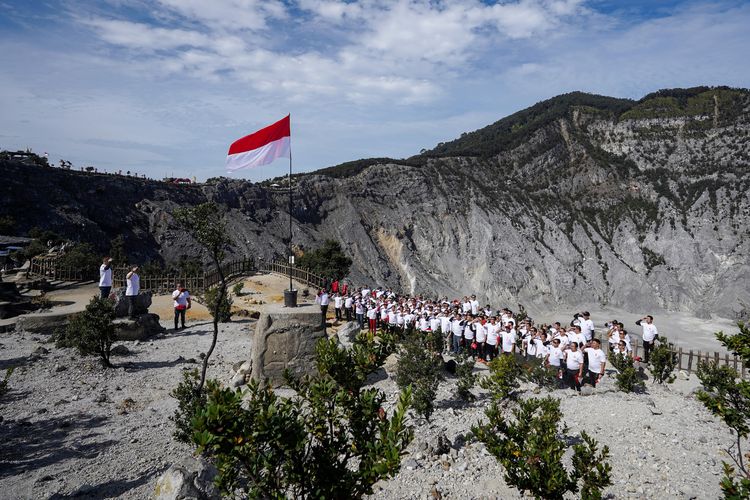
[
  {"x": 285, "y": 338},
  {"x": 347, "y": 333},
  {"x": 587, "y": 390},
  {"x": 45, "y": 323},
  {"x": 142, "y": 303},
  {"x": 142, "y": 327},
  {"x": 192, "y": 478}
]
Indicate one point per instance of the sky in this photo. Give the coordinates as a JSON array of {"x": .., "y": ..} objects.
[{"x": 163, "y": 87}]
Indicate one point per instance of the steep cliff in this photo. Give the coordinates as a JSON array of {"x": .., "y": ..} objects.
[{"x": 578, "y": 199}]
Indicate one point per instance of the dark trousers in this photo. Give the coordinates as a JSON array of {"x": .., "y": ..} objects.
[
  {"x": 361, "y": 320},
  {"x": 591, "y": 377},
  {"x": 572, "y": 380},
  {"x": 131, "y": 305},
  {"x": 338, "y": 313},
  {"x": 179, "y": 314},
  {"x": 348, "y": 313},
  {"x": 647, "y": 348},
  {"x": 323, "y": 312},
  {"x": 104, "y": 291},
  {"x": 490, "y": 352}
]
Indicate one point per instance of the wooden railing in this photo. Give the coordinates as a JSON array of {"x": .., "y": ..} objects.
[{"x": 297, "y": 273}]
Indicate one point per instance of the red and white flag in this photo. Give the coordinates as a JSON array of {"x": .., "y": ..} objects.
[{"x": 261, "y": 147}]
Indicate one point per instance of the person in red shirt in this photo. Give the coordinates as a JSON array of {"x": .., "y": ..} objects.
[{"x": 335, "y": 286}]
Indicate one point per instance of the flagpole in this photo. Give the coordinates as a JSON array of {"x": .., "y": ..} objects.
[{"x": 290, "y": 216}]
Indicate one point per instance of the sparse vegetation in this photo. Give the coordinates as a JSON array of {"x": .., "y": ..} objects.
[
  {"x": 628, "y": 378},
  {"x": 92, "y": 331},
  {"x": 189, "y": 402},
  {"x": 420, "y": 367},
  {"x": 466, "y": 378},
  {"x": 663, "y": 361},
  {"x": 328, "y": 261}
]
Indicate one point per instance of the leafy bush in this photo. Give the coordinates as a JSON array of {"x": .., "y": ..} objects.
[
  {"x": 628, "y": 379},
  {"x": 531, "y": 450},
  {"x": 503, "y": 379},
  {"x": 189, "y": 402},
  {"x": 327, "y": 442},
  {"x": 117, "y": 251},
  {"x": 81, "y": 256},
  {"x": 533, "y": 370},
  {"x": 328, "y": 261},
  {"x": 237, "y": 289},
  {"x": 92, "y": 332},
  {"x": 466, "y": 377},
  {"x": 420, "y": 367},
  {"x": 224, "y": 307},
  {"x": 663, "y": 361},
  {"x": 350, "y": 367}
]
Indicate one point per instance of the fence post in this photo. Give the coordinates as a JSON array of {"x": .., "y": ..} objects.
[
  {"x": 716, "y": 358},
  {"x": 679, "y": 358},
  {"x": 690, "y": 361}
]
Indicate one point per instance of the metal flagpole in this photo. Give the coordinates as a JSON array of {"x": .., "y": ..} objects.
[{"x": 291, "y": 255}]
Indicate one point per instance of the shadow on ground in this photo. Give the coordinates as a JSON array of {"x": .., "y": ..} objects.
[{"x": 26, "y": 446}]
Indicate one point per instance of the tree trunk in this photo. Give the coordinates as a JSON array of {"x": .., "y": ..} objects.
[{"x": 217, "y": 306}]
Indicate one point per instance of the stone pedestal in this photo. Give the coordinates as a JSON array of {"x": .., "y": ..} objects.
[
  {"x": 142, "y": 327},
  {"x": 285, "y": 338},
  {"x": 142, "y": 303}
]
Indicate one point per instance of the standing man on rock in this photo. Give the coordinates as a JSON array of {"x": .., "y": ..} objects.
[
  {"x": 587, "y": 326},
  {"x": 322, "y": 299},
  {"x": 105, "y": 277},
  {"x": 182, "y": 303},
  {"x": 131, "y": 292},
  {"x": 650, "y": 334}
]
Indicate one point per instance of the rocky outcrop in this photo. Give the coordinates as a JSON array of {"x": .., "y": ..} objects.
[
  {"x": 141, "y": 327},
  {"x": 142, "y": 303},
  {"x": 285, "y": 339},
  {"x": 192, "y": 478}
]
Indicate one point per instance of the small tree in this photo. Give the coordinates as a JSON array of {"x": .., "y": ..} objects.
[
  {"x": 420, "y": 367},
  {"x": 531, "y": 450},
  {"x": 237, "y": 288},
  {"x": 189, "y": 402},
  {"x": 503, "y": 379},
  {"x": 92, "y": 331},
  {"x": 628, "y": 379},
  {"x": 466, "y": 377},
  {"x": 206, "y": 224},
  {"x": 328, "y": 261},
  {"x": 663, "y": 361},
  {"x": 117, "y": 250},
  {"x": 728, "y": 397},
  {"x": 219, "y": 305}
]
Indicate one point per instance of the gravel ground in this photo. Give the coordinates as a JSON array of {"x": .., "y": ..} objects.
[{"x": 70, "y": 428}]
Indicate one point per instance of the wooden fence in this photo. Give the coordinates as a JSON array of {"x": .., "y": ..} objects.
[
  {"x": 688, "y": 359},
  {"x": 297, "y": 273}
]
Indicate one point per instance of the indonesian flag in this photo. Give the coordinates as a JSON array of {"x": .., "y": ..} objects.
[{"x": 261, "y": 147}]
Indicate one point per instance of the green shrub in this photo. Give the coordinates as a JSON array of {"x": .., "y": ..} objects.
[
  {"x": 533, "y": 370},
  {"x": 327, "y": 442},
  {"x": 530, "y": 448},
  {"x": 728, "y": 397},
  {"x": 189, "y": 402},
  {"x": 663, "y": 361},
  {"x": 350, "y": 367},
  {"x": 628, "y": 379},
  {"x": 328, "y": 261},
  {"x": 503, "y": 379},
  {"x": 81, "y": 256},
  {"x": 237, "y": 289},
  {"x": 92, "y": 331},
  {"x": 466, "y": 377},
  {"x": 420, "y": 367},
  {"x": 224, "y": 304}
]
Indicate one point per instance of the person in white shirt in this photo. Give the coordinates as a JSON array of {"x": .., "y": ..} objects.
[
  {"x": 554, "y": 358},
  {"x": 457, "y": 328},
  {"x": 322, "y": 299},
  {"x": 650, "y": 334},
  {"x": 372, "y": 318},
  {"x": 587, "y": 326},
  {"x": 490, "y": 350},
  {"x": 597, "y": 362},
  {"x": 131, "y": 291},
  {"x": 574, "y": 366},
  {"x": 182, "y": 303},
  {"x": 509, "y": 340},
  {"x": 105, "y": 277},
  {"x": 576, "y": 336},
  {"x": 480, "y": 334},
  {"x": 348, "y": 302},
  {"x": 338, "y": 303},
  {"x": 474, "y": 305},
  {"x": 359, "y": 311}
]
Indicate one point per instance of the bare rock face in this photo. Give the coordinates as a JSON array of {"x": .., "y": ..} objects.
[
  {"x": 192, "y": 478},
  {"x": 285, "y": 339}
]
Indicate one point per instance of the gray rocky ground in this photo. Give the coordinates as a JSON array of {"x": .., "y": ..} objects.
[{"x": 70, "y": 428}]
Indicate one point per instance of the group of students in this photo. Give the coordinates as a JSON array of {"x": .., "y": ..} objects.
[{"x": 483, "y": 333}]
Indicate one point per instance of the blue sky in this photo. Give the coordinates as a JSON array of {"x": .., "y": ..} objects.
[{"x": 163, "y": 87}]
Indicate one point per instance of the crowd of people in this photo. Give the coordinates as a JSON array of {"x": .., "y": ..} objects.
[{"x": 573, "y": 351}]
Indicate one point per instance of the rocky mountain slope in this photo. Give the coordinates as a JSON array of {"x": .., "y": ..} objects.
[{"x": 580, "y": 199}]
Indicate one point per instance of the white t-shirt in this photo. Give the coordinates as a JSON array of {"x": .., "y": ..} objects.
[
  {"x": 492, "y": 333},
  {"x": 541, "y": 349},
  {"x": 337, "y": 302},
  {"x": 372, "y": 313},
  {"x": 596, "y": 359},
  {"x": 474, "y": 307},
  {"x": 509, "y": 340},
  {"x": 573, "y": 359},
  {"x": 649, "y": 332},
  {"x": 348, "y": 303},
  {"x": 481, "y": 332},
  {"x": 587, "y": 329},
  {"x": 105, "y": 276},
  {"x": 180, "y": 299},
  {"x": 555, "y": 356},
  {"x": 134, "y": 285}
]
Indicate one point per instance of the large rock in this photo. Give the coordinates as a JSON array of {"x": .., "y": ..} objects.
[
  {"x": 142, "y": 327},
  {"x": 347, "y": 333},
  {"x": 45, "y": 323},
  {"x": 142, "y": 303},
  {"x": 189, "y": 479},
  {"x": 285, "y": 339}
]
